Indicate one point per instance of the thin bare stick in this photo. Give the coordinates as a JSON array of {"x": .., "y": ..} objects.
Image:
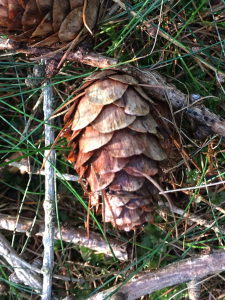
[
  {"x": 176, "y": 273},
  {"x": 49, "y": 201},
  {"x": 70, "y": 235}
]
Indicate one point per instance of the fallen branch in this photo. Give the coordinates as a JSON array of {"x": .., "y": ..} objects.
[
  {"x": 72, "y": 235},
  {"x": 177, "y": 273},
  {"x": 154, "y": 84}
]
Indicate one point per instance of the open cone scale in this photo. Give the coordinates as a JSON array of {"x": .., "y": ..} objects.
[
  {"x": 47, "y": 22},
  {"x": 115, "y": 142}
]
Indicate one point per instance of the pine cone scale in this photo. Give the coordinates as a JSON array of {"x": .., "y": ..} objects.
[
  {"x": 44, "y": 6},
  {"x": 127, "y": 183},
  {"x": 60, "y": 10},
  {"x": 104, "y": 163},
  {"x": 134, "y": 105},
  {"x": 112, "y": 118},
  {"x": 92, "y": 139},
  {"x": 126, "y": 143},
  {"x": 141, "y": 164},
  {"x": 85, "y": 113},
  {"x": 72, "y": 25},
  {"x": 103, "y": 92}
]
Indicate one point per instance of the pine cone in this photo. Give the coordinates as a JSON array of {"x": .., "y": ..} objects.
[
  {"x": 115, "y": 143},
  {"x": 46, "y": 21}
]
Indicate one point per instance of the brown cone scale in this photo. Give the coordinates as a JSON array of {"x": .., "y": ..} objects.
[
  {"x": 117, "y": 146},
  {"x": 47, "y": 22}
]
